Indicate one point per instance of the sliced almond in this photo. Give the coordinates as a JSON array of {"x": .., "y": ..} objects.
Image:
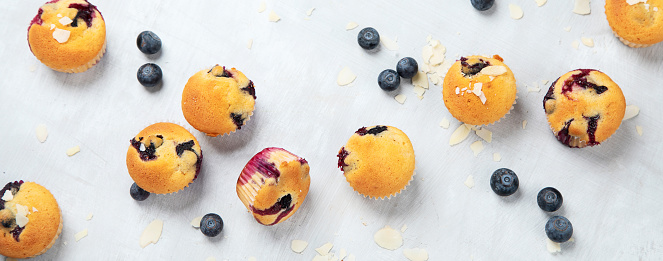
[
  {"x": 298, "y": 246},
  {"x": 589, "y": 42},
  {"x": 196, "y": 222},
  {"x": 515, "y": 11},
  {"x": 493, "y": 70},
  {"x": 62, "y": 36},
  {"x": 485, "y": 134},
  {"x": 388, "y": 43},
  {"x": 249, "y": 44},
  {"x": 497, "y": 157},
  {"x": 310, "y": 11},
  {"x": 553, "y": 247},
  {"x": 416, "y": 254},
  {"x": 524, "y": 124},
  {"x": 89, "y": 216},
  {"x": 459, "y": 135},
  {"x": 444, "y": 123},
  {"x": 400, "y": 98},
  {"x": 469, "y": 182},
  {"x": 388, "y": 238},
  {"x": 345, "y": 77},
  {"x": 581, "y": 7},
  {"x": 575, "y": 44},
  {"x": 152, "y": 233},
  {"x": 631, "y": 111},
  {"x": 8, "y": 196},
  {"x": 73, "y": 150},
  {"x": 350, "y": 26},
  {"x": 80, "y": 235},
  {"x": 477, "y": 147},
  {"x": 262, "y": 6},
  {"x": 273, "y": 17},
  {"x": 420, "y": 79},
  {"x": 638, "y": 129},
  {"x": 403, "y": 228},
  {"x": 65, "y": 20},
  {"x": 324, "y": 249},
  {"x": 42, "y": 133},
  {"x": 540, "y": 2}
]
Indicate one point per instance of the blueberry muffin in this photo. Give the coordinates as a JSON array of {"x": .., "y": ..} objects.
[
  {"x": 479, "y": 90},
  {"x": 218, "y": 101},
  {"x": 636, "y": 23},
  {"x": 584, "y": 107},
  {"x": 377, "y": 161},
  {"x": 68, "y": 35},
  {"x": 31, "y": 219},
  {"x": 164, "y": 158},
  {"x": 273, "y": 185}
]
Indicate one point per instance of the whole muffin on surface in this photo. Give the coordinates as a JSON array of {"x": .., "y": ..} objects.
[
  {"x": 68, "y": 35},
  {"x": 273, "y": 185},
  {"x": 164, "y": 158},
  {"x": 377, "y": 161},
  {"x": 218, "y": 101},
  {"x": 584, "y": 107},
  {"x": 479, "y": 90},
  {"x": 31, "y": 219},
  {"x": 637, "y": 23}
]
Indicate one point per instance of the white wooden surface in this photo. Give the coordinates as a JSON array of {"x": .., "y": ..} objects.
[{"x": 612, "y": 192}]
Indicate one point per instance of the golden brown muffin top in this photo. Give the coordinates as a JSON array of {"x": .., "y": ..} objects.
[{"x": 639, "y": 22}]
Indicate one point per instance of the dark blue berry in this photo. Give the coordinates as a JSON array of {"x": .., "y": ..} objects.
[
  {"x": 149, "y": 74},
  {"x": 148, "y": 42},
  {"x": 407, "y": 67},
  {"x": 138, "y": 193},
  {"x": 368, "y": 38},
  {"x": 389, "y": 80},
  {"x": 211, "y": 225},
  {"x": 559, "y": 229},
  {"x": 549, "y": 199},
  {"x": 482, "y": 5},
  {"x": 504, "y": 182}
]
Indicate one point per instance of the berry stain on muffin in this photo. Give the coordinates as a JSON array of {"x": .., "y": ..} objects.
[
  {"x": 472, "y": 66},
  {"x": 85, "y": 13}
]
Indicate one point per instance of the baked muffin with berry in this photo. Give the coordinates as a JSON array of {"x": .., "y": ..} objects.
[
  {"x": 218, "y": 101},
  {"x": 377, "y": 161},
  {"x": 68, "y": 35},
  {"x": 584, "y": 107},
  {"x": 478, "y": 90},
  {"x": 273, "y": 185},
  {"x": 164, "y": 158},
  {"x": 31, "y": 220},
  {"x": 637, "y": 23}
]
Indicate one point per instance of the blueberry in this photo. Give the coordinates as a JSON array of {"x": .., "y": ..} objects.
[
  {"x": 407, "y": 67},
  {"x": 559, "y": 229},
  {"x": 549, "y": 199},
  {"x": 482, "y": 5},
  {"x": 148, "y": 42},
  {"x": 368, "y": 38},
  {"x": 149, "y": 74},
  {"x": 138, "y": 193},
  {"x": 504, "y": 182},
  {"x": 389, "y": 80},
  {"x": 211, "y": 225}
]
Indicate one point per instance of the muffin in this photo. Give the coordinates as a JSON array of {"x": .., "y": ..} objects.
[
  {"x": 584, "y": 107},
  {"x": 218, "y": 101},
  {"x": 68, "y": 35},
  {"x": 273, "y": 185},
  {"x": 164, "y": 158},
  {"x": 378, "y": 161},
  {"x": 478, "y": 90},
  {"x": 31, "y": 220},
  {"x": 635, "y": 23}
]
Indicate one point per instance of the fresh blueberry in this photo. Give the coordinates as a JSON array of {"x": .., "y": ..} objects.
[
  {"x": 482, "y": 5},
  {"x": 504, "y": 182},
  {"x": 149, "y": 74},
  {"x": 138, "y": 193},
  {"x": 368, "y": 38},
  {"x": 211, "y": 225},
  {"x": 559, "y": 229},
  {"x": 148, "y": 42},
  {"x": 407, "y": 67},
  {"x": 549, "y": 199},
  {"x": 389, "y": 80}
]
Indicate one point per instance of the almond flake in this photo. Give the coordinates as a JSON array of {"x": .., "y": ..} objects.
[
  {"x": 589, "y": 42},
  {"x": 540, "y": 2},
  {"x": 459, "y": 135},
  {"x": 42, "y": 133},
  {"x": 531, "y": 89},
  {"x": 391, "y": 45},
  {"x": 638, "y": 128},
  {"x": 457, "y": 90},
  {"x": 324, "y": 249},
  {"x": 196, "y": 222},
  {"x": 568, "y": 28},
  {"x": 477, "y": 147},
  {"x": 273, "y": 17},
  {"x": 249, "y": 44},
  {"x": 262, "y": 7},
  {"x": 89, "y": 216},
  {"x": 482, "y": 97},
  {"x": 80, "y": 235},
  {"x": 21, "y": 221},
  {"x": 582, "y": 7},
  {"x": 298, "y": 246},
  {"x": 65, "y": 20},
  {"x": 320, "y": 258},
  {"x": 631, "y": 111},
  {"x": 469, "y": 182},
  {"x": 575, "y": 44},
  {"x": 152, "y": 233},
  {"x": 515, "y": 11},
  {"x": 493, "y": 70},
  {"x": 416, "y": 254},
  {"x": 477, "y": 88},
  {"x": 485, "y": 134},
  {"x": 62, "y": 36},
  {"x": 444, "y": 123},
  {"x": 350, "y": 26},
  {"x": 388, "y": 238},
  {"x": 420, "y": 79},
  {"x": 59, "y": 15},
  {"x": 419, "y": 91},
  {"x": 310, "y": 11},
  {"x": 553, "y": 247},
  {"x": 524, "y": 124},
  {"x": 403, "y": 228},
  {"x": 400, "y": 98},
  {"x": 345, "y": 77},
  {"x": 8, "y": 196},
  {"x": 52, "y": 26},
  {"x": 73, "y": 150},
  {"x": 252, "y": 258},
  {"x": 497, "y": 157}
]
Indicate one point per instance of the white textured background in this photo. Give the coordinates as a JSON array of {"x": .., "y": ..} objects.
[{"x": 612, "y": 193}]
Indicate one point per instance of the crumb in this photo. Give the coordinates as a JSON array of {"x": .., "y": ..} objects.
[
  {"x": 638, "y": 129},
  {"x": 444, "y": 123}
]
